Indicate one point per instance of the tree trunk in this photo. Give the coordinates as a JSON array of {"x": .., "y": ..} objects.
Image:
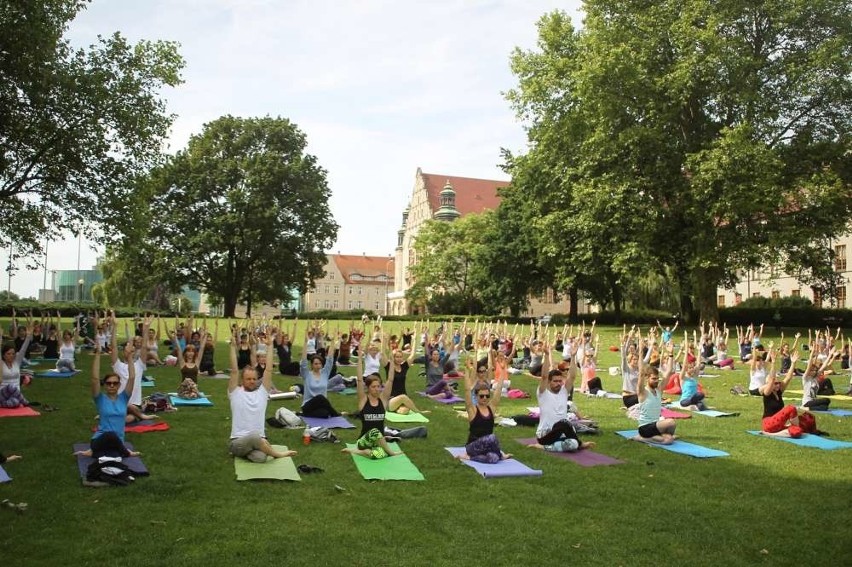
[
  {"x": 248, "y": 299},
  {"x": 705, "y": 295},
  {"x": 230, "y": 304},
  {"x": 616, "y": 301},
  {"x": 573, "y": 302}
]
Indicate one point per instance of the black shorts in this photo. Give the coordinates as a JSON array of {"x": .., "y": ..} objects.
[{"x": 649, "y": 430}]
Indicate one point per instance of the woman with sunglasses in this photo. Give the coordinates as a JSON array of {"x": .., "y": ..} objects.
[
  {"x": 482, "y": 445},
  {"x": 10, "y": 370},
  {"x": 108, "y": 440}
]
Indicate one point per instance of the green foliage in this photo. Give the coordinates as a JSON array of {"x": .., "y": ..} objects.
[
  {"x": 786, "y": 316},
  {"x": 692, "y": 139},
  {"x": 7, "y": 295},
  {"x": 786, "y": 301},
  {"x": 75, "y": 124},
  {"x": 242, "y": 213}
]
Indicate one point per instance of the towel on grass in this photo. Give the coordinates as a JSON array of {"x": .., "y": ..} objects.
[
  {"x": 808, "y": 440},
  {"x": 501, "y": 469},
  {"x": 584, "y": 458},
  {"x": 398, "y": 467},
  {"x": 410, "y": 417},
  {"x": 274, "y": 469},
  {"x": 20, "y": 411},
  {"x": 4, "y": 476},
  {"x": 681, "y": 447}
]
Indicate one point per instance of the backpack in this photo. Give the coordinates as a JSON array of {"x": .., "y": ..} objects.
[
  {"x": 188, "y": 390},
  {"x": 156, "y": 402},
  {"x": 288, "y": 418},
  {"x": 323, "y": 434}
]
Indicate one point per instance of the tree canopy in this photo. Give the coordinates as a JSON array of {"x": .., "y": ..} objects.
[
  {"x": 691, "y": 138},
  {"x": 75, "y": 124},
  {"x": 242, "y": 214}
]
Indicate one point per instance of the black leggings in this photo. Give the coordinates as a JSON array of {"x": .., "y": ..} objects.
[
  {"x": 319, "y": 406},
  {"x": 108, "y": 445},
  {"x": 595, "y": 385},
  {"x": 561, "y": 429},
  {"x": 818, "y": 404},
  {"x": 630, "y": 400}
]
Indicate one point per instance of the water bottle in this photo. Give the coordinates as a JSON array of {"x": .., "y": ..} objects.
[{"x": 306, "y": 436}]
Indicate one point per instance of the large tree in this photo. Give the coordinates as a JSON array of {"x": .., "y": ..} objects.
[
  {"x": 706, "y": 137},
  {"x": 242, "y": 213},
  {"x": 75, "y": 124}
]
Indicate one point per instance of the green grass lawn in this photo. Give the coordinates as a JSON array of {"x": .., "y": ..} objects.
[{"x": 769, "y": 502}]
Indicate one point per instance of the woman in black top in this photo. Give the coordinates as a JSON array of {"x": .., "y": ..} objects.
[
  {"x": 372, "y": 400},
  {"x": 779, "y": 419},
  {"x": 482, "y": 445},
  {"x": 397, "y": 372}
]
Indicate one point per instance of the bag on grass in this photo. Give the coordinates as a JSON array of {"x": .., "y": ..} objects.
[
  {"x": 156, "y": 402},
  {"x": 288, "y": 418},
  {"x": 188, "y": 390},
  {"x": 323, "y": 434}
]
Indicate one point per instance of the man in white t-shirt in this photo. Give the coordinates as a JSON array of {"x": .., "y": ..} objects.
[
  {"x": 555, "y": 433},
  {"x": 134, "y": 405},
  {"x": 248, "y": 410}
]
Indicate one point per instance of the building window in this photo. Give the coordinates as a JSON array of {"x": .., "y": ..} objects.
[
  {"x": 360, "y": 289},
  {"x": 720, "y": 301},
  {"x": 336, "y": 290},
  {"x": 776, "y": 294},
  {"x": 549, "y": 296},
  {"x": 738, "y": 298},
  {"x": 841, "y": 297},
  {"x": 336, "y": 304},
  {"x": 817, "y": 298},
  {"x": 350, "y": 305},
  {"x": 327, "y": 288},
  {"x": 326, "y": 305},
  {"x": 840, "y": 258},
  {"x": 350, "y": 291},
  {"x": 316, "y": 304},
  {"x": 796, "y": 293},
  {"x": 756, "y": 294},
  {"x": 377, "y": 306}
]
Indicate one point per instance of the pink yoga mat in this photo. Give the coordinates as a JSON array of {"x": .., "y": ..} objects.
[
  {"x": 21, "y": 411},
  {"x": 671, "y": 414},
  {"x": 584, "y": 458}
]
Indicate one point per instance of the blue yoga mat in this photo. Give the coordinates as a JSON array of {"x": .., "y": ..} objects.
[
  {"x": 808, "y": 440},
  {"x": 54, "y": 374},
  {"x": 681, "y": 447},
  {"x": 4, "y": 477},
  {"x": 836, "y": 412},
  {"x": 202, "y": 401},
  {"x": 508, "y": 467}
]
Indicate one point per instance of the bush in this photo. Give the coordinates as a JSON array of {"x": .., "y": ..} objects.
[
  {"x": 786, "y": 301},
  {"x": 785, "y": 316}
]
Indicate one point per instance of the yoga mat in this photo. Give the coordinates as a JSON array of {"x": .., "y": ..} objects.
[
  {"x": 508, "y": 467},
  {"x": 133, "y": 463},
  {"x": 681, "y": 447},
  {"x": 55, "y": 374},
  {"x": 217, "y": 376},
  {"x": 347, "y": 392},
  {"x": 143, "y": 426},
  {"x": 284, "y": 396},
  {"x": 671, "y": 414},
  {"x": 808, "y": 440},
  {"x": 4, "y": 476},
  {"x": 705, "y": 413},
  {"x": 202, "y": 401},
  {"x": 398, "y": 467},
  {"x": 20, "y": 411},
  {"x": 584, "y": 458},
  {"x": 148, "y": 383},
  {"x": 842, "y": 397},
  {"x": 338, "y": 422},
  {"x": 275, "y": 469},
  {"x": 453, "y": 400},
  {"x": 411, "y": 417},
  {"x": 835, "y": 412},
  {"x": 607, "y": 395}
]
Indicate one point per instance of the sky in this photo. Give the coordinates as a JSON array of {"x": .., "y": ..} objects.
[{"x": 380, "y": 88}]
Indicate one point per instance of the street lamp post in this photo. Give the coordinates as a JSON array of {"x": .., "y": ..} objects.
[
  {"x": 80, "y": 283},
  {"x": 387, "y": 264}
]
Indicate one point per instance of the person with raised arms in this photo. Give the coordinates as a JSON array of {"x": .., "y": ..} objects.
[
  {"x": 10, "y": 370},
  {"x": 315, "y": 375},
  {"x": 120, "y": 367},
  {"x": 111, "y": 401},
  {"x": 649, "y": 392},
  {"x": 555, "y": 433},
  {"x": 482, "y": 445},
  {"x": 779, "y": 419},
  {"x": 248, "y": 410},
  {"x": 372, "y": 404}
]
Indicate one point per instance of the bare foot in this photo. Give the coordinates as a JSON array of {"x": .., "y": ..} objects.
[
  {"x": 537, "y": 446},
  {"x": 86, "y": 453},
  {"x": 463, "y": 457},
  {"x": 587, "y": 445},
  {"x": 11, "y": 458},
  {"x": 135, "y": 453},
  {"x": 505, "y": 456},
  {"x": 146, "y": 416},
  {"x": 393, "y": 453},
  {"x": 281, "y": 455},
  {"x": 425, "y": 411}
]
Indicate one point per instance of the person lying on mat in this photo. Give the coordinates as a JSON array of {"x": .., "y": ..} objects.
[
  {"x": 134, "y": 406},
  {"x": 372, "y": 401},
  {"x": 651, "y": 427},
  {"x": 10, "y": 387},
  {"x": 482, "y": 445},
  {"x": 248, "y": 410},
  {"x": 108, "y": 440},
  {"x": 315, "y": 374},
  {"x": 555, "y": 432},
  {"x": 780, "y": 420}
]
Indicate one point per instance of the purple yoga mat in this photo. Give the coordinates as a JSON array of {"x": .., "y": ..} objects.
[
  {"x": 453, "y": 400},
  {"x": 4, "y": 477},
  {"x": 338, "y": 422},
  {"x": 509, "y": 467},
  {"x": 584, "y": 458},
  {"x": 133, "y": 463}
]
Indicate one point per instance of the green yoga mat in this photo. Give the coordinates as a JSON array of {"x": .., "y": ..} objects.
[
  {"x": 389, "y": 468},
  {"x": 394, "y": 417},
  {"x": 348, "y": 392},
  {"x": 275, "y": 469}
]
